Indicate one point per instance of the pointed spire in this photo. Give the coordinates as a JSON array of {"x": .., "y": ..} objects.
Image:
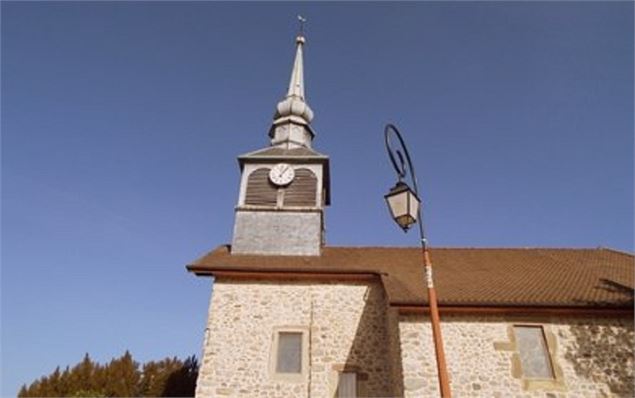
[
  {"x": 291, "y": 123},
  {"x": 296, "y": 84},
  {"x": 293, "y": 107}
]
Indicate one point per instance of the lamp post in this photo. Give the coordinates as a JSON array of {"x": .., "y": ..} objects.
[{"x": 404, "y": 204}]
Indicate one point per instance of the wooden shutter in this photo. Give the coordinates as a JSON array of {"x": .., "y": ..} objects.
[
  {"x": 302, "y": 191},
  {"x": 260, "y": 191}
]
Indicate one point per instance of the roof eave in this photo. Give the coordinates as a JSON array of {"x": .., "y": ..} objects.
[
  {"x": 519, "y": 310},
  {"x": 277, "y": 273}
]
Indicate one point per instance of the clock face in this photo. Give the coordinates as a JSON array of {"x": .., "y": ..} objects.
[{"x": 281, "y": 174}]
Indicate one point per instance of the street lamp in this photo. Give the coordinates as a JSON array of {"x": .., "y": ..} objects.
[
  {"x": 403, "y": 204},
  {"x": 405, "y": 208}
]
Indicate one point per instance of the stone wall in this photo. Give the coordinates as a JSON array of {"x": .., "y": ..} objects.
[
  {"x": 350, "y": 328},
  {"x": 590, "y": 357},
  {"x": 347, "y": 325}
]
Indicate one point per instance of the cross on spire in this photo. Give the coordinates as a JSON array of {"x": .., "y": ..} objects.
[{"x": 302, "y": 21}]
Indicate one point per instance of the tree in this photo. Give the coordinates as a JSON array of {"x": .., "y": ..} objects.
[
  {"x": 183, "y": 382},
  {"x": 121, "y": 377},
  {"x": 156, "y": 374}
]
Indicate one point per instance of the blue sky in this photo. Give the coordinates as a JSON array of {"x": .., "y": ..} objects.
[{"x": 121, "y": 123}]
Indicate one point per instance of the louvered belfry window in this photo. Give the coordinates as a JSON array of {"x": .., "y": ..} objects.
[
  {"x": 260, "y": 191},
  {"x": 302, "y": 191}
]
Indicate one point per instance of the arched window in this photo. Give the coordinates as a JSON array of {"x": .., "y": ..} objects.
[
  {"x": 259, "y": 190},
  {"x": 302, "y": 191}
]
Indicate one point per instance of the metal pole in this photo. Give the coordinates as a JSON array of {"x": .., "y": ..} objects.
[{"x": 444, "y": 380}]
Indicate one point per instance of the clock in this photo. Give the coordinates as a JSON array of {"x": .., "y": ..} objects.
[{"x": 281, "y": 174}]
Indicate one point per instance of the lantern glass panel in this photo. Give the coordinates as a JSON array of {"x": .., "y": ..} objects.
[
  {"x": 403, "y": 205},
  {"x": 398, "y": 204},
  {"x": 414, "y": 206}
]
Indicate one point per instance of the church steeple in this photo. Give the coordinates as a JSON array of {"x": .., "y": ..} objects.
[
  {"x": 284, "y": 187},
  {"x": 291, "y": 122}
]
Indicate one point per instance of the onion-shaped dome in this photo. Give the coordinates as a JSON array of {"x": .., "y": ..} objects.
[{"x": 294, "y": 106}]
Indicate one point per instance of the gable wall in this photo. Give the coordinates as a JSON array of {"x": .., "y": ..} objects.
[{"x": 347, "y": 327}]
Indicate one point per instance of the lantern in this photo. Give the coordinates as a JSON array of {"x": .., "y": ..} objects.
[{"x": 403, "y": 205}]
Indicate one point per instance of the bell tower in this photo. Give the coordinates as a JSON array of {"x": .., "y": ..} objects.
[{"x": 285, "y": 186}]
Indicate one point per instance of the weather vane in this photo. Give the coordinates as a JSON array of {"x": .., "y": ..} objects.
[{"x": 302, "y": 22}]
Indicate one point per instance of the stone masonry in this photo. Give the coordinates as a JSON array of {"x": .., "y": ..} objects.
[
  {"x": 351, "y": 328},
  {"x": 593, "y": 356},
  {"x": 347, "y": 326}
]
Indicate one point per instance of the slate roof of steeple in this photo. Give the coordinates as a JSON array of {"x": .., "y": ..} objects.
[{"x": 278, "y": 152}]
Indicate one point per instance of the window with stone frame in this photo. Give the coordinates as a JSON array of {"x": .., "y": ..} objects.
[
  {"x": 533, "y": 351},
  {"x": 289, "y": 353}
]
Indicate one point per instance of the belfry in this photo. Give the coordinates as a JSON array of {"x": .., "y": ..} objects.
[{"x": 284, "y": 187}]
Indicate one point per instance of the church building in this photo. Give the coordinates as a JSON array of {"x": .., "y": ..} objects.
[{"x": 292, "y": 317}]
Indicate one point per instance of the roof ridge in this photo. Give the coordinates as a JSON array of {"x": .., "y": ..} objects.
[
  {"x": 476, "y": 248},
  {"x": 610, "y": 249},
  {"x": 599, "y": 248}
]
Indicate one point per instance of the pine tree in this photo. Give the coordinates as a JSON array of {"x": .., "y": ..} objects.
[
  {"x": 156, "y": 374},
  {"x": 54, "y": 383},
  {"x": 121, "y": 377},
  {"x": 65, "y": 382},
  {"x": 182, "y": 382}
]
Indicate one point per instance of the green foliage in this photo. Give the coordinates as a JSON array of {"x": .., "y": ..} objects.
[{"x": 121, "y": 377}]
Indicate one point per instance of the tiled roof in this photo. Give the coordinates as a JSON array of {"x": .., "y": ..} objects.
[{"x": 463, "y": 276}]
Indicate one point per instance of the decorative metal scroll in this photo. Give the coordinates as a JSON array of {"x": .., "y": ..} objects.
[{"x": 399, "y": 157}]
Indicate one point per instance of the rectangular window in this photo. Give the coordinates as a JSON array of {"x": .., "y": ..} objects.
[
  {"x": 289, "y": 356},
  {"x": 533, "y": 352},
  {"x": 347, "y": 385}
]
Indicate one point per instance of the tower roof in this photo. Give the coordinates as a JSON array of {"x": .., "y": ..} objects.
[{"x": 294, "y": 107}]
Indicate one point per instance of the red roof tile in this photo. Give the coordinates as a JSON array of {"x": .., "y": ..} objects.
[{"x": 463, "y": 276}]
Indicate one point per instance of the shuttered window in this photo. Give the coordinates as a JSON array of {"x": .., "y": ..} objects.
[
  {"x": 302, "y": 191},
  {"x": 260, "y": 191}
]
